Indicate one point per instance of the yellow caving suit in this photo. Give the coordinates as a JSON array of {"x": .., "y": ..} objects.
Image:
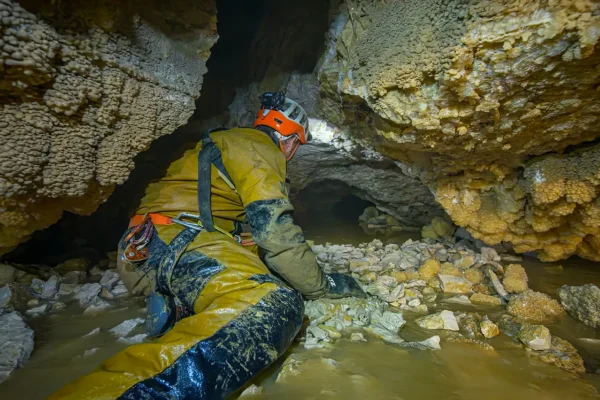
[{"x": 243, "y": 318}]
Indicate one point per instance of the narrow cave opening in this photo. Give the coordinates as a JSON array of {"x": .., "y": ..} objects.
[
  {"x": 257, "y": 40},
  {"x": 328, "y": 210}
]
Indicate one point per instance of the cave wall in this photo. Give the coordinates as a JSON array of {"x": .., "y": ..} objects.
[
  {"x": 493, "y": 104},
  {"x": 84, "y": 88}
]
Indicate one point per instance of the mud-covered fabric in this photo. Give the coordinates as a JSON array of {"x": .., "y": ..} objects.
[
  {"x": 227, "y": 281},
  {"x": 216, "y": 367},
  {"x": 287, "y": 253}
]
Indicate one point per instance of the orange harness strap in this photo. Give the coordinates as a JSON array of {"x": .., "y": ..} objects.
[{"x": 157, "y": 219}]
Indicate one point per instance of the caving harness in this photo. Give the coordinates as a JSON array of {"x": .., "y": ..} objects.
[{"x": 165, "y": 309}]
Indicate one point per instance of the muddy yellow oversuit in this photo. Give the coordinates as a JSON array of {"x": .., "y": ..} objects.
[{"x": 243, "y": 318}]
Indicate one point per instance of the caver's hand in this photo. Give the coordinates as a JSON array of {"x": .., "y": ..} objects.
[{"x": 341, "y": 285}]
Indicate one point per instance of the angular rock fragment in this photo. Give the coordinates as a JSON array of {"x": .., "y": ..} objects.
[
  {"x": 16, "y": 343},
  {"x": 582, "y": 302},
  {"x": 515, "y": 279},
  {"x": 534, "y": 307},
  {"x": 455, "y": 284},
  {"x": 488, "y": 328},
  {"x": 536, "y": 337},
  {"x": 441, "y": 320},
  {"x": 88, "y": 293}
]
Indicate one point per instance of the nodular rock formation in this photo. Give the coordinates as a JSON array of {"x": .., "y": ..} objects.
[
  {"x": 485, "y": 101},
  {"x": 84, "y": 87}
]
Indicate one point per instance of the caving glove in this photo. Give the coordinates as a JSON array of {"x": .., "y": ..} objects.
[{"x": 341, "y": 285}]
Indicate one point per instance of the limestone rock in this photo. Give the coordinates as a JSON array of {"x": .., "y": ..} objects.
[
  {"x": 7, "y": 274},
  {"x": 86, "y": 101},
  {"x": 455, "y": 284},
  {"x": 536, "y": 337},
  {"x": 500, "y": 182},
  {"x": 357, "y": 337},
  {"x": 474, "y": 275},
  {"x": 563, "y": 355},
  {"x": 16, "y": 342},
  {"x": 109, "y": 279},
  {"x": 37, "y": 311},
  {"x": 441, "y": 320},
  {"x": 74, "y": 277},
  {"x": 582, "y": 302},
  {"x": 5, "y": 296},
  {"x": 96, "y": 306},
  {"x": 429, "y": 269},
  {"x": 534, "y": 307},
  {"x": 449, "y": 269},
  {"x": 125, "y": 327},
  {"x": 88, "y": 293},
  {"x": 485, "y": 299},
  {"x": 465, "y": 262},
  {"x": 488, "y": 328},
  {"x": 73, "y": 265},
  {"x": 119, "y": 290},
  {"x": 140, "y": 338},
  {"x": 515, "y": 279}
]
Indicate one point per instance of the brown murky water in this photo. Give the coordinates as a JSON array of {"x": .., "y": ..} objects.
[{"x": 347, "y": 370}]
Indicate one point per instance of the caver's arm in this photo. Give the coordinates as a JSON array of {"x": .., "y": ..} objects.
[{"x": 257, "y": 169}]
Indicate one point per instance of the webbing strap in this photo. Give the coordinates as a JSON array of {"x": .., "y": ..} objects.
[
  {"x": 209, "y": 155},
  {"x": 168, "y": 260}
]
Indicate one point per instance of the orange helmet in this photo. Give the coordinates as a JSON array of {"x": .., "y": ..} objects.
[{"x": 288, "y": 119}]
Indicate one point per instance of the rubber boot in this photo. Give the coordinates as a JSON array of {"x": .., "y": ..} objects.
[{"x": 161, "y": 314}]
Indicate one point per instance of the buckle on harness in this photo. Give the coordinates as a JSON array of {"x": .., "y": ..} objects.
[
  {"x": 180, "y": 219},
  {"x": 197, "y": 225}
]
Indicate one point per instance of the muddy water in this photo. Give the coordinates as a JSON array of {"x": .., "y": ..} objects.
[
  {"x": 63, "y": 353},
  {"x": 347, "y": 370}
]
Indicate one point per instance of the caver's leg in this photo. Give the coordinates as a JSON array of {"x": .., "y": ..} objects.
[{"x": 244, "y": 321}]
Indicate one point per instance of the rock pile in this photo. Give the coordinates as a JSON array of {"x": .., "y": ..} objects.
[
  {"x": 416, "y": 277},
  {"x": 33, "y": 291}
]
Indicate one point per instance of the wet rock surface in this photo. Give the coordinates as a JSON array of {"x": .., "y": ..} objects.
[
  {"x": 582, "y": 302},
  {"x": 16, "y": 343}
]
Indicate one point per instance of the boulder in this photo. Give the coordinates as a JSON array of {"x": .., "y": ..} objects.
[
  {"x": 7, "y": 274},
  {"x": 96, "y": 306},
  {"x": 536, "y": 337},
  {"x": 109, "y": 279},
  {"x": 490, "y": 254},
  {"x": 75, "y": 264},
  {"x": 488, "y": 328},
  {"x": 16, "y": 342},
  {"x": 534, "y": 307},
  {"x": 474, "y": 275},
  {"x": 429, "y": 269},
  {"x": 74, "y": 277},
  {"x": 449, "y": 269},
  {"x": 88, "y": 293},
  {"x": 50, "y": 288},
  {"x": 465, "y": 262},
  {"x": 515, "y": 279},
  {"x": 582, "y": 303},
  {"x": 37, "y": 311},
  {"x": 5, "y": 296},
  {"x": 479, "y": 298},
  {"x": 441, "y": 320},
  {"x": 455, "y": 284}
]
